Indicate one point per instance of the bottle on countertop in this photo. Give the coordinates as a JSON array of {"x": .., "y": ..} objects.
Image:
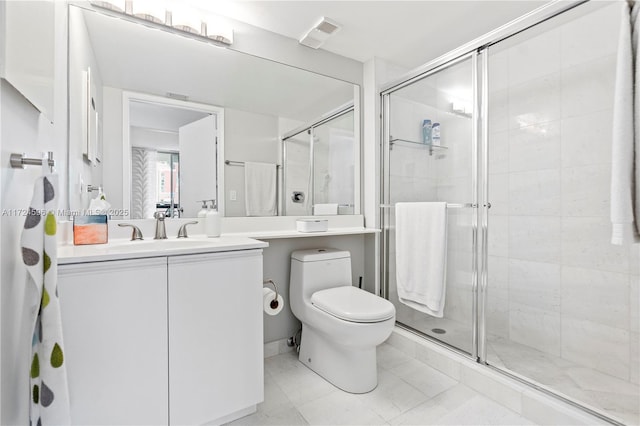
[
  {"x": 212, "y": 223},
  {"x": 202, "y": 214}
]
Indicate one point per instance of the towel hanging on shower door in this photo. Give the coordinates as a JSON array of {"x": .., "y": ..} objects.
[
  {"x": 49, "y": 393},
  {"x": 421, "y": 256},
  {"x": 625, "y": 153}
]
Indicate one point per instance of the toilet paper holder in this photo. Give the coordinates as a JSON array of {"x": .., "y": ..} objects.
[{"x": 274, "y": 303}]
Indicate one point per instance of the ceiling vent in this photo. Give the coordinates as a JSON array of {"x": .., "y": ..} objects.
[{"x": 316, "y": 36}]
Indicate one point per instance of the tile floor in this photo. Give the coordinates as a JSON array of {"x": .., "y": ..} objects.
[
  {"x": 408, "y": 392},
  {"x": 618, "y": 398}
]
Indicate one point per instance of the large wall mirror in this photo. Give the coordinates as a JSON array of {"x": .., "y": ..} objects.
[{"x": 161, "y": 121}]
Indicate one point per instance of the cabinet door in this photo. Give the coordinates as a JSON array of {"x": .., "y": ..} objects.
[
  {"x": 215, "y": 335},
  {"x": 114, "y": 319}
]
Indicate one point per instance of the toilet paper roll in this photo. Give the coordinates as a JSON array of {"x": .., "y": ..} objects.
[{"x": 268, "y": 305}]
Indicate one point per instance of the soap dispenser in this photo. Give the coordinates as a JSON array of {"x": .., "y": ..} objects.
[
  {"x": 212, "y": 221},
  {"x": 202, "y": 214}
]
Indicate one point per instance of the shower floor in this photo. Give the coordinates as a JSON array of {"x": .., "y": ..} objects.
[{"x": 617, "y": 398}]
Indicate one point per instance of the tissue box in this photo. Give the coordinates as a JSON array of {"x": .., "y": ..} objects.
[
  {"x": 90, "y": 229},
  {"x": 312, "y": 225}
]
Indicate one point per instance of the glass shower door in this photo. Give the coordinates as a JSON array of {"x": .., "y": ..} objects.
[
  {"x": 562, "y": 301},
  {"x": 438, "y": 166},
  {"x": 297, "y": 174},
  {"x": 334, "y": 159}
]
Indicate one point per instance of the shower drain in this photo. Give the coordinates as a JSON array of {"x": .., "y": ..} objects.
[{"x": 438, "y": 330}]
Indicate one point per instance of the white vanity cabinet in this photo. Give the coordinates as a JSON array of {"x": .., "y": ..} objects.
[
  {"x": 164, "y": 340},
  {"x": 114, "y": 321},
  {"x": 215, "y": 336}
]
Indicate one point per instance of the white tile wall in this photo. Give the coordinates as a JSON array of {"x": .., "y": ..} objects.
[
  {"x": 539, "y": 328},
  {"x": 535, "y": 147},
  {"x": 584, "y": 143},
  {"x": 568, "y": 292},
  {"x": 535, "y": 284},
  {"x": 535, "y": 238},
  {"x": 595, "y": 295},
  {"x": 596, "y": 345}
]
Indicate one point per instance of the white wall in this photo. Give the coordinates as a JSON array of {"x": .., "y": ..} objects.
[
  {"x": 22, "y": 130},
  {"x": 81, "y": 59}
]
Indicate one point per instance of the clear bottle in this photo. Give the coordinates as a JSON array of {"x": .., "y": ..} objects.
[{"x": 212, "y": 223}]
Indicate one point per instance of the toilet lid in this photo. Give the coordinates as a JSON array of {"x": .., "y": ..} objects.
[{"x": 353, "y": 304}]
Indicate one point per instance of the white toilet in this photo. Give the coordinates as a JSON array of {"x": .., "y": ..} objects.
[{"x": 341, "y": 324}]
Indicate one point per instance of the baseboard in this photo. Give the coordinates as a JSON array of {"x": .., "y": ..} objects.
[{"x": 276, "y": 348}]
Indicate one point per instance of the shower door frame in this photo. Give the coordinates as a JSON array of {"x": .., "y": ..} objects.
[
  {"x": 475, "y": 193},
  {"x": 478, "y": 50}
]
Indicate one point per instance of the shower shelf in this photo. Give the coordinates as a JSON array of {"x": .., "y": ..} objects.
[{"x": 432, "y": 148}]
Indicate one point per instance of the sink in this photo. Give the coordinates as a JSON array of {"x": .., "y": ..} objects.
[
  {"x": 119, "y": 249},
  {"x": 156, "y": 245}
]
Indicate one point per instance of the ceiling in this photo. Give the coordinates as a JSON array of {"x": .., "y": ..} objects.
[
  {"x": 406, "y": 33},
  {"x": 146, "y": 60}
]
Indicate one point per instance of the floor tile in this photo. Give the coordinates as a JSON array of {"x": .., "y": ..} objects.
[{"x": 339, "y": 408}]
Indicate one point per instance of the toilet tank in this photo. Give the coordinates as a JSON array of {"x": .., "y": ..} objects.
[{"x": 318, "y": 269}]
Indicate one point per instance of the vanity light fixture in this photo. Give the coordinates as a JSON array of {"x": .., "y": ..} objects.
[
  {"x": 171, "y": 16},
  {"x": 319, "y": 33},
  {"x": 115, "y": 5}
]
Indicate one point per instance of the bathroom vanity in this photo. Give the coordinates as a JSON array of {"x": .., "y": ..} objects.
[{"x": 163, "y": 332}]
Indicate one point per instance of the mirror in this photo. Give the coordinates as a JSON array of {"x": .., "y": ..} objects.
[{"x": 152, "y": 85}]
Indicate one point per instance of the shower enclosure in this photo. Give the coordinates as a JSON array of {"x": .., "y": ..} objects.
[
  {"x": 534, "y": 288},
  {"x": 320, "y": 161}
]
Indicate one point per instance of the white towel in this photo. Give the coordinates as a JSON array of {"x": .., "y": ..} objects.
[
  {"x": 49, "y": 393},
  {"x": 625, "y": 165},
  {"x": 325, "y": 209},
  {"x": 421, "y": 255},
  {"x": 260, "y": 180}
]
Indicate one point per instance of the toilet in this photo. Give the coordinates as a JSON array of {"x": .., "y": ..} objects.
[{"x": 341, "y": 324}]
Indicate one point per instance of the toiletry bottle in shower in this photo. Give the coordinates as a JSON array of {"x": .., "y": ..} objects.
[
  {"x": 212, "y": 221},
  {"x": 426, "y": 131},
  {"x": 435, "y": 134}
]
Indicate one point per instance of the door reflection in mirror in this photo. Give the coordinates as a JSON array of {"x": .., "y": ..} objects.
[{"x": 173, "y": 158}]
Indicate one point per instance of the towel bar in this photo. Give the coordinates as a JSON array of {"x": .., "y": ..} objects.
[
  {"x": 449, "y": 206},
  {"x": 241, "y": 163},
  {"x": 18, "y": 161}
]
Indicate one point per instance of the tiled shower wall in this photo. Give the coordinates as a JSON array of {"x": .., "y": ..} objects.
[{"x": 556, "y": 283}]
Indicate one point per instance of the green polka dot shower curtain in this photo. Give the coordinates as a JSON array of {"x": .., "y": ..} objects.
[{"x": 48, "y": 377}]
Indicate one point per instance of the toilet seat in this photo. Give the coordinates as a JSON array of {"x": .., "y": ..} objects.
[{"x": 352, "y": 304}]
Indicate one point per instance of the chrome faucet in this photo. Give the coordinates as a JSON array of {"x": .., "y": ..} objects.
[
  {"x": 182, "y": 232},
  {"x": 161, "y": 231},
  {"x": 136, "y": 234}
]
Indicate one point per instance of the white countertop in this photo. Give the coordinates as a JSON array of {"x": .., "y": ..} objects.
[
  {"x": 272, "y": 235},
  {"x": 119, "y": 249}
]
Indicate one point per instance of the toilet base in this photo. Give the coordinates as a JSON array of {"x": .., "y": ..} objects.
[{"x": 351, "y": 369}]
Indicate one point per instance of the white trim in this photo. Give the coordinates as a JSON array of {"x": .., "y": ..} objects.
[{"x": 127, "y": 97}]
